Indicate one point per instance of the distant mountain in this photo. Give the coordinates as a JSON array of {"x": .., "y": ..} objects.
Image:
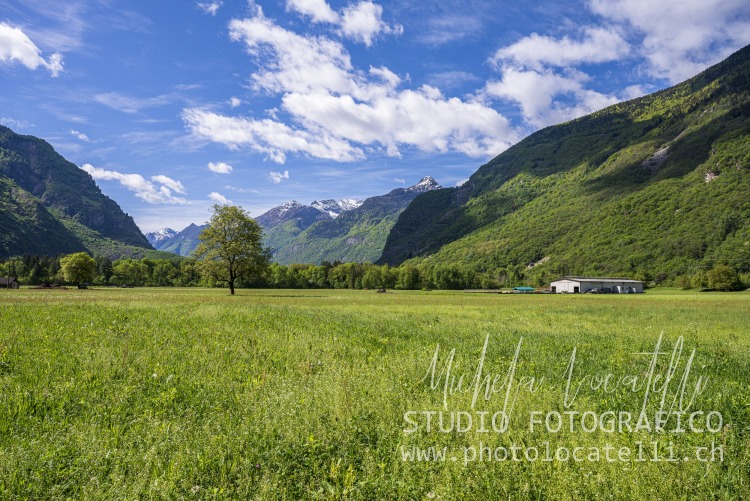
[
  {"x": 49, "y": 206},
  {"x": 155, "y": 237},
  {"x": 326, "y": 230},
  {"x": 280, "y": 224},
  {"x": 183, "y": 242},
  {"x": 303, "y": 215},
  {"x": 656, "y": 186},
  {"x": 357, "y": 234},
  {"x": 335, "y": 207}
]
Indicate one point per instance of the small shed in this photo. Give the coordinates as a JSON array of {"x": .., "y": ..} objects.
[
  {"x": 8, "y": 283},
  {"x": 574, "y": 285}
]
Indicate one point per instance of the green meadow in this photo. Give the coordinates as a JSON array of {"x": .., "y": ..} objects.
[{"x": 280, "y": 394}]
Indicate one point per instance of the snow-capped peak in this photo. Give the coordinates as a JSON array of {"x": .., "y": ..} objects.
[
  {"x": 290, "y": 205},
  {"x": 160, "y": 235},
  {"x": 349, "y": 203},
  {"x": 427, "y": 183},
  {"x": 335, "y": 207}
]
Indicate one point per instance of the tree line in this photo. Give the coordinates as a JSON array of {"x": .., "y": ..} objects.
[
  {"x": 188, "y": 272},
  {"x": 230, "y": 254}
]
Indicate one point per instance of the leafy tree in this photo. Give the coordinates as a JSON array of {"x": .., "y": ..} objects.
[
  {"x": 104, "y": 268},
  {"x": 78, "y": 267},
  {"x": 699, "y": 280},
  {"x": 723, "y": 278},
  {"x": 230, "y": 247},
  {"x": 408, "y": 277}
]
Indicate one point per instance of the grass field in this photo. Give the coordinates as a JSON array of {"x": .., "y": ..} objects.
[{"x": 193, "y": 394}]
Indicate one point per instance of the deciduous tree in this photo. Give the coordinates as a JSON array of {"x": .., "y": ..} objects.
[
  {"x": 78, "y": 267},
  {"x": 230, "y": 247}
]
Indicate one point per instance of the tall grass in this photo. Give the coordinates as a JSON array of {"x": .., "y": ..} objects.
[{"x": 192, "y": 394}]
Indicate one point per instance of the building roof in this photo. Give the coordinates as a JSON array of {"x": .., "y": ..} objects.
[
  {"x": 5, "y": 281},
  {"x": 590, "y": 279}
]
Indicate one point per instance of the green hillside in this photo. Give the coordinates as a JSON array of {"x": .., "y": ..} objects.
[
  {"x": 27, "y": 227},
  {"x": 49, "y": 206},
  {"x": 657, "y": 185},
  {"x": 356, "y": 235}
]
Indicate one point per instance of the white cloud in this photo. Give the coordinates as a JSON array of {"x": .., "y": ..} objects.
[
  {"x": 291, "y": 62},
  {"x": 681, "y": 37},
  {"x": 363, "y": 22},
  {"x": 421, "y": 118},
  {"x": 399, "y": 180},
  {"x": 338, "y": 112},
  {"x": 277, "y": 177},
  {"x": 540, "y": 95},
  {"x": 360, "y": 22},
  {"x": 598, "y": 45},
  {"x": 219, "y": 167},
  {"x": 170, "y": 183},
  {"x": 79, "y": 135},
  {"x": 318, "y": 10},
  {"x": 235, "y": 102},
  {"x": 462, "y": 182},
  {"x": 210, "y": 7},
  {"x": 274, "y": 139},
  {"x": 16, "y": 46},
  {"x": 143, "y": 189},
  {"x": 219, "y": 198}
]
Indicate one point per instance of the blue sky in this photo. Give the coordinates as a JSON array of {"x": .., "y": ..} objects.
[{"x": 173, "y": 106}]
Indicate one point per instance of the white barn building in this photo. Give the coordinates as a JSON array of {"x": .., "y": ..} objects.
[{"x": 574, "y": 285}]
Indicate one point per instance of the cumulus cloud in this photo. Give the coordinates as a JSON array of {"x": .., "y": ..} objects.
[
  {"x": 361, "y": 22},
  {"x": 219, "y": 198},
  {"x": 219, "y": 167},
  {"x": 277, "y": 177},
  {"x": 15, "y": 46},
  {"x": 159, "y": 193},
  {"x": 274, "y": 139},
  {"x": 547, "y": 98},
  {"x": 318, "y": 10},
  {"x": 338, "y": 112},
  {"x": 681, "y": 37},
  {"x": 170, "y": 183},
  {"x": 597, "y": 45},
  {"x": 538, "y": 74},
  {"x": 79, "y": 135},
  {"x": 235, "y": 102},
  {"x": 210, "y": 7}
]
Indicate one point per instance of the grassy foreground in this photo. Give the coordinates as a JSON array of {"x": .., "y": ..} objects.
[{"x": 192, "y": 394}]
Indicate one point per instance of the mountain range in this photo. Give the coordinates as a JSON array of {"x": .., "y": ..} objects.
[
  {"x": 326, "y": 230},
  {"x": 659, "y": 185},
  {"x": 356, "y": 234}
]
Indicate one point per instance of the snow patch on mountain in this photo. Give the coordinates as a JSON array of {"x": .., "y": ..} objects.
[
  {"x": 427, "y": 183},
  {"x": 335, "y": 207},
  {"x": 161, "y": 235}
]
